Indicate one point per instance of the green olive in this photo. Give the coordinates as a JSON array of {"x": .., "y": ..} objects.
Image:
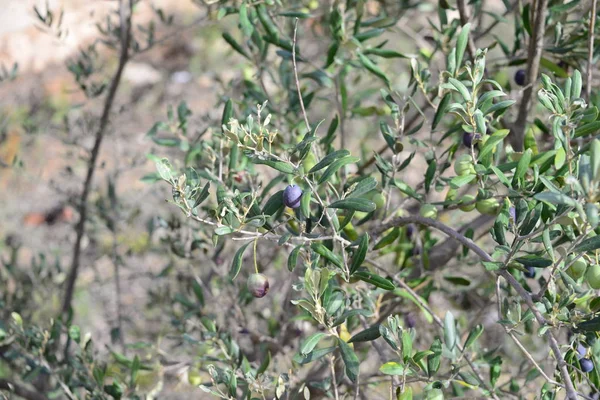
[
  {"x": 488, "y": 206},
  {"x": 577, "y": 269},
  {"x": 428, "y": 211},
  {"x": 309, "y": 162},
  {"x": 379, "y": 200},
  {"x": 467, "y": 203},
  {"x": 194, "y": 377},
  {"x": 451, "y": 194},
  {"x": 593, "y": 276},
  {"x": 464, "y": 165}
]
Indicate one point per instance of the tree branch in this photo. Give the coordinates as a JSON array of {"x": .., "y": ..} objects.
[
  {"x": 296, "y": 77},
  {"x": 125, "y": 11},
  {"x": 496, "y": 22},
  {"x": 441, "y": 254},
  {"x": 536, "y": 45},
  {"x": 20, "y": 390},
  {"x": 590, "y": 64},
  {"x": 465, "y": 17},
  {"x": 526, "y": 296}
]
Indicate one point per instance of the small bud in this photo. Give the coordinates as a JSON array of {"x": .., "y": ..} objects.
[
  {"x": 291, "y": 196},
  {"x": 258, "y": 285}
]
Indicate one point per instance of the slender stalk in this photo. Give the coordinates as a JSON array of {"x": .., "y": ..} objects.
[
  {"x": 333, "y": 378},
  {"x": 590, "y": 64},
  {"x": 296, "y": 77},
  {"x": 117, "y": 269},
  {"x": 411, "y": 122},
  {"x": 125, "y": 10},
  {"x": 518, "y": 343}
]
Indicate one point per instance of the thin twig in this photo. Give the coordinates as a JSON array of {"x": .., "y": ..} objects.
[
  {"x": 333, "y": 378},
  {"x": 526, "y": 296},
  {"x": 465, "y": 16},
  {"x": 383, "y": 149},
  {"x": 439, "y": 322},
  {"x": 496, "y": 22},
  {"x": 536, "y": 46},
  {"x": 518, "y": 343},
  {"x": 296, "y": 77},
  {"x": 119, "y": 308},
  {"x": 590, "y": 64},
  {"x": 125, "y": 10}
]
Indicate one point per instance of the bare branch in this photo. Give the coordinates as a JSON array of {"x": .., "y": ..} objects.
[
  {"x": 536, "y": 45},
  {"x": 296, "y": 77},
  {"x": 125, "y": 10}
]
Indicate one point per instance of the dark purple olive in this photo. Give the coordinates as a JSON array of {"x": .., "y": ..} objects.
[
  {"x": 530, "y": 273},
  {"x": 291, "y": 196},
  {"x": 258, "y": 285},
  {"x": 586, "y": 364},
  {"x": 468, "y": 139},
  {"x": 409, "y": 320},
  {"x": 520, "y": 77},
  {"x": 409, "y": 231},
  {"x": 581, "y": 350}
]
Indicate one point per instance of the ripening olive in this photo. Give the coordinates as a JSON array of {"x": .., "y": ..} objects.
[
  {"x": 586, "y": 365},
  {"x": 309, "y": 162},
  {"x": 258, "y": 285},
  {"x": 488, "y": 206},
  {"x": 428, "y": 211},
  {"x": 467, "y": 203},
  {"x": 592, "y": 276},
  {"x": 464, "y": 165},
  {"x": 577, "y": 269},
  {"x": 379, "y": 200},
  {"x": 291, "y": 196}
]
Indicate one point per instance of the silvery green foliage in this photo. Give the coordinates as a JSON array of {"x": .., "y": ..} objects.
[{"x": 354, "y": 261}]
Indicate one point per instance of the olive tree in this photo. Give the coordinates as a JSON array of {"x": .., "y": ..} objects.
[{"x": 456, "y": 258}]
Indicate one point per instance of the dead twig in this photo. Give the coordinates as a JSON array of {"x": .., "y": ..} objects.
[
  {"x": 125, "y": 11},
  {"x": 296, "y": 77}
]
